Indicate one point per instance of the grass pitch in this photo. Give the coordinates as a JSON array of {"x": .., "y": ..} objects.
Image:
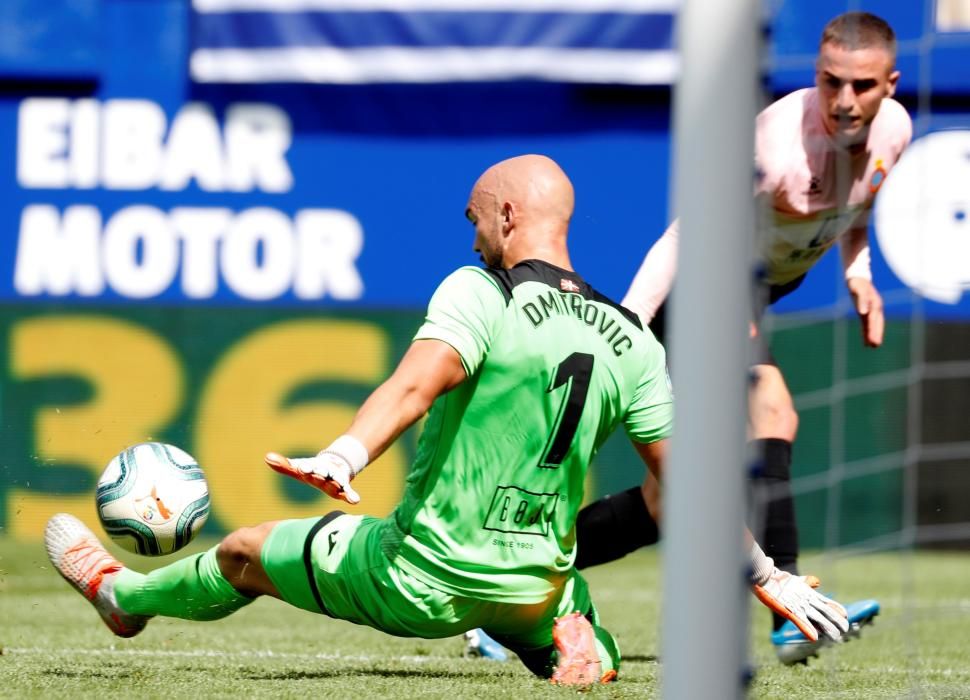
[{"x": 54, "y": 645}]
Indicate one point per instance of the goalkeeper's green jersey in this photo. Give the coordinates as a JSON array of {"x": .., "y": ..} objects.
[{"x": 552, "y": 367}]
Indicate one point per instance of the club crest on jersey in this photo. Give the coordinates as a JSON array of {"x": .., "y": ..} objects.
[
  {"x": 568, "y": 285},
  {"x": 878, "y": 177}
]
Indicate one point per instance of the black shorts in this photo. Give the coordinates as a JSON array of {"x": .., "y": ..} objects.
[{"x": 764, "y": 295}]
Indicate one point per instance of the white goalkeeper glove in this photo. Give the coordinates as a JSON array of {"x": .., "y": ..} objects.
[
  {"x": 328, "y": 472},
  {"x": 795, "y": 598}
]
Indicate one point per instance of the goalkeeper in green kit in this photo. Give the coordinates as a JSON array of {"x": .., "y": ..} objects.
[{"x": 526, "y": 371}]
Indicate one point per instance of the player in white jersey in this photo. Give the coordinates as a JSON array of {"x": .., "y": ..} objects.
[{"x": 821, "y": 154}]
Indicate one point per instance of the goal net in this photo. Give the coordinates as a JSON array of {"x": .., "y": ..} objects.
[{"x": 881, "y": 463}]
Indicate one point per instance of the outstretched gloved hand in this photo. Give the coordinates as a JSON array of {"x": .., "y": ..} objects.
[
  {"x": 795, "y": 598},
  {"x": 328, "y": 472}
]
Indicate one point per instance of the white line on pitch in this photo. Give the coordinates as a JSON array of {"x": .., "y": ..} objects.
[{"x": 212, "y": 653}]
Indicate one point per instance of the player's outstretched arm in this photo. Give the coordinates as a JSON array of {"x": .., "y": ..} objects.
[
  {"x": 653, "y": 281},
  {"x": 854, "y": 248},
  {"x": 428, "y": 369},
  {"x": 868, "y": 304},
  {"x": 654, "y": 455},
  {"x": 792, "y": 597}
]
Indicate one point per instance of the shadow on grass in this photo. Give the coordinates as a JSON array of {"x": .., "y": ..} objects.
[
  {"x": 88, "y": 673},
  {"x": 343, "y": 673},
  {"x": 641, "y": 658}
]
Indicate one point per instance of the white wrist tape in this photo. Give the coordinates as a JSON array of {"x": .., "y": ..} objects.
[
  {"x": 351, "y": 450},
  {"x": 762, "y": 565}
]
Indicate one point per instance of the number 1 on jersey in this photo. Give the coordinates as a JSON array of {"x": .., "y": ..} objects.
[{"x": 575, "y": 372}]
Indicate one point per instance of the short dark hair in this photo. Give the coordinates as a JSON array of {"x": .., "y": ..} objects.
[{"x": 859, "y": 30}]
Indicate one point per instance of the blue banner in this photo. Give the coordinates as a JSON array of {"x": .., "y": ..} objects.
[
  {"x": 374, "y": 41},
  {"x": 243, "y": 202},
  {"x": 58, "y": 40},
  {"x": 149, "y": 187}
]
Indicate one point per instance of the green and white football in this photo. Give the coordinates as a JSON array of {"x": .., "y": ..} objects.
[{"x": 152, "y": 499}]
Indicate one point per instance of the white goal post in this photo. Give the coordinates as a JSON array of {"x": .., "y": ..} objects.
[{"x": 704, "y": 645}]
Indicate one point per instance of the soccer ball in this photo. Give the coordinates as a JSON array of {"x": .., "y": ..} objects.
[{"x": 152, "y": 499}]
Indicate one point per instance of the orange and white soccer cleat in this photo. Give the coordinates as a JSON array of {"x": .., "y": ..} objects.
[
  {"x": 84, "y": 563},
  {"x": 579, "y": 662}
]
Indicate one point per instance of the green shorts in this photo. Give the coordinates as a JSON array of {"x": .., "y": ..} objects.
[{"x": 335, "y": 565}]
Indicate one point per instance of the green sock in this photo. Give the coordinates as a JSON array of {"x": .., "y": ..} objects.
[
  {"x": 608, "y": 650},
  {"x": 192, "y": 589}
]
